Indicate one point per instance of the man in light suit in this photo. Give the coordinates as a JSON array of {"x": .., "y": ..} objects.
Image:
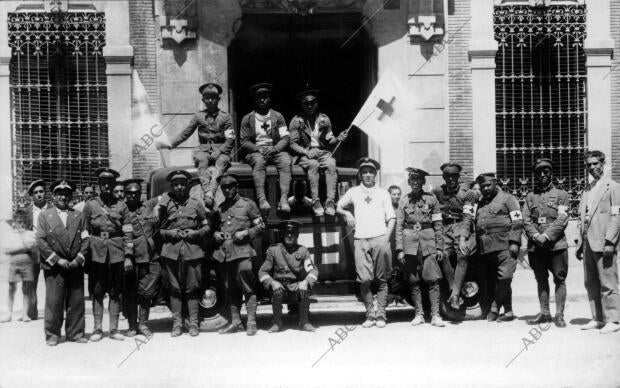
[{"x": 599, "y": 213}]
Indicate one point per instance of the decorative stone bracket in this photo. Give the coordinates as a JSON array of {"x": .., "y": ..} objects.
[
  {"x": 179, "y": 30},
  {"x": 425, "y": 19},
  {"x": 177, "y": 20}
]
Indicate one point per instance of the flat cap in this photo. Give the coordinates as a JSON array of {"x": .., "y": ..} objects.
[
  {"x": 227, "y": 179},
  {"x": 260, "y": 88},
  {"x": 178, "y": 174},
  {"x": 210, "y": 88},
  {"x": 289, "y": 225},
  {"x": 134, "y": 184},
  {"x": 194, "y": 181},
  {"x": 106, "y": 172},
  {"x": 542, "y": 163},
  {"x": 62, "y": 184},
  {"x": 38, "y": 182},
  {"x": 451, "y": 168},
  {"x": 484, "y": 176},
  {"x": 367, "y": 162},
  {"x": 308, "y": 94},
  {"x": 416, "y": 172}
]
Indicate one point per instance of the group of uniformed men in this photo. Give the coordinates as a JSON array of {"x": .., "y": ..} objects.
[{"x": 128, "y": 244}]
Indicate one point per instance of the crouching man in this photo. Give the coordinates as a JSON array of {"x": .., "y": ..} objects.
[{"x": 290, "y": 273}]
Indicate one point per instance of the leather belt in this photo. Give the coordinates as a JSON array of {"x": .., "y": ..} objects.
[
  {"x": 498, "y": 229},
  {"x": 544, "y": 220},
  {"x": 105, "y": 235},
  {"x": 451, "y": 220},
  {"x": 419, "y": 226}
]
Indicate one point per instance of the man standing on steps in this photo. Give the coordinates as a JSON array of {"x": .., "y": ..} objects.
[
  {"x": 216, "y": 137},
  {"x": 599, "y": 212},
  {"x": 311, "y": 136},
  {"x": 373, "y": 222},
  {"x": 265, "y": 139},
  {"x": 545, "y": 217}
]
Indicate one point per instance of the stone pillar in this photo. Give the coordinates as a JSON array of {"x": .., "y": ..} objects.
[
  {"x": 118, "y": 54},
  {"x": 482, "y": 51},
  {"x": 599, "y": 48}
]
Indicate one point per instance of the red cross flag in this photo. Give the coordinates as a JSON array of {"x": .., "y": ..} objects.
[{"x": 383, "y": 117}]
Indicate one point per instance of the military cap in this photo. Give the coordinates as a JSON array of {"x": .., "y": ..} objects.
[
  {"x": 542, "y": 163},
  {"x": 416, "y": 172},
  {"x": 133, "y": 184},
  {"x": 33, "y": 185},
  {"x": 308, "y": 92},
  {"x": 106, "y": 172},
  {"x": 227, "y": 179},
  {"x": 367, "y": 162},
  {"x": 178, "y": 174},
  {"x": 210, "y": 88},
  {"x": 62, "y": 184},
  {"x": 451, "y": 168},
  {"x": 484, "y": 176},
  {"x": 261, "y": 87},
  {"x": 194, "y": 181},
  {"x": 289, "y": 225}
]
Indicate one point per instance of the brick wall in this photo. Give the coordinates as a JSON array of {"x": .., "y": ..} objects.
[
  {"x": 614, "y": 15},
  {"x": 459, "y": 84},
  {"x": 143, "y": 38}
]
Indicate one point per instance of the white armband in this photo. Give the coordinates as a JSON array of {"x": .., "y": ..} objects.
[
  {"x": 229, "y": 134},
  {"x": 283, "y": 131},
  {"x": 516, "y": 215},
  {"x": 81, "y": 258},
  {"x": 52, "y": 259},
  {"x": 309, "y": 265},
  {"x": 311, "y": 275},
  {"x": 205, "y": 222},
  {"x": 562, "y": 209},
  {"x": 436, "y": 217},
  {"x": 264, "y": 277},
  {"x": 84, "y": 235},
  {"x": 127, "y": 228},
  {"x": 468, "y": 209},
  {"x": 615, "y": 210}
]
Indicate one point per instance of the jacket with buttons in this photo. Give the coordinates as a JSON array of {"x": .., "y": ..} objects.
[
  {"x": 56, "y": 241},
  {"x": 301, "y": 133},
  {"x": 419, "y": 225},
  {"x": 287, "y": 266},
  {"x": 145, "y": 224},
  {"x": 234, "y": 216},
  {"x": 215, "y": 132},
  {"x": 546, "y": 212},
  {"x": 180, "y": 216},
  {"x": 109, "y": 217}
]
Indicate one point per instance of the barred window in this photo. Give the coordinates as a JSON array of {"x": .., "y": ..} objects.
[
  {"x": 58, "y": 98},
  {"x": 540, "y": 88}
]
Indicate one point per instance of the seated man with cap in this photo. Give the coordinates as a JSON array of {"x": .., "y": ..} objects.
[
  {"x": 289, "y": 272},
  {"x": 265, "y": 139},
  {"x": 237, "y": 222},
  {"x": 545, "y": 218},
  {"x": 62, "y": 237},
  {"x": 111, "y": 250},
  {"x": 373, "y": 222},
  {"x": 184, "y": 227},
  {"x": 419, "y": 242},
  {"x": 311, "y": 136},
  {"x": 142, "y": 283},
  {"x": 498, "y": 224},
  {"x": 452, "y": 195},
  {"x": 216, "y": 136}
]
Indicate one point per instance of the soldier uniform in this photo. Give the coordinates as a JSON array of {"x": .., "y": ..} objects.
[
  {"x": 545, "y": 212},
  {"x": 238, "y": 214},
  {"x": 419, "y": 235},
  {"x": 143, "y": 282},
  {"x": 216, "y": 136},
  {"x": 498, "y": 224},
  {"x": 111, "y": 242},
  {"x": 289, "y": 266},
  {"x": 63, "y": 234},
  {"x": 310, "y": 139},
  {"x": 268, "y": 133},
  {"x": 183, "y": 254}
]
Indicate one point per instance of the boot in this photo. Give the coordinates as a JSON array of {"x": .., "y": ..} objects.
[
  {"x": 143, "y": 318},
  {"x": 304, "y": 312},
  {"x": 259, "y": 183},
  {"x": 276, "y": 305},
  {"x": 366, "y": 294},
  {"x": 540, "y": 318},
  {"x": 193, "y": 308},
  {"x": 416, "y": 298},
  {"x": 433, "y": 295},
  {"x": 114, "y": 308},
  {"x": 235, "y": 321},
  {"x": 176, "y": 306},
  {"x": 559, "y": 321},
  {"x": 98, "y": 315},
  {"x": 283, "y": 205},
  {"x": 251, "y": 305},
  {"x": 317, "y": 208},
  {"x": 330, "y": 207}
]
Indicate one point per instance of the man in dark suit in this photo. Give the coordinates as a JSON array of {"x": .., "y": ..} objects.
[
  {"x": 265, "y": 139},
  {"x": 62, "y": 239}
]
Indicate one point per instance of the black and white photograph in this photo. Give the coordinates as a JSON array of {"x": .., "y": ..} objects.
[{"x": 309, "y": 193}]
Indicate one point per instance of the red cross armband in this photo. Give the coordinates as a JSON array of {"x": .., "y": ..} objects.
[{"x": 516, "y": 215}]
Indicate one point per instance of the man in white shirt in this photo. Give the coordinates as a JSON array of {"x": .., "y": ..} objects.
[
  {"x": 88, "y": 192},
  {"x": 373, "y": 221}
]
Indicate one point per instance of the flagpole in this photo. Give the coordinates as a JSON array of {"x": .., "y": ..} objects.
[{"x": 347, "y": 132}]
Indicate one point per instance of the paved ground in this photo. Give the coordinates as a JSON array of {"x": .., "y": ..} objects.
[{"x": 470, "y": 354}]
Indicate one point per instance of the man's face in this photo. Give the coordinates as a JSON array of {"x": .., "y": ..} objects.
[
  {"x": 211, "y": 101},
  {"x": 106, "y": 185},
  {"x": 62, "y": 198},
  {"x": 595, "y": 167},
  {"x": 19, "y": 223},
  {"x": 262, "y": 100},
  {"x": 416, "y": 183},
  {"x": 488, "y": 188},
  {"x": 543, "y": 176},
  {"x": 119, "y": 192},
  {"x": 290, "y": 237},
  {"x": 89, "y": 192},
  {"x": 368, "y": 175},
  {"x": 309, "y": 106},
  {"x": 451, "y": 179},
  {"x": 229, "y": 190},
  {"x": 180, "y": 188},
  {"x": 133, "y": 197},
  {"x": 38, "y": 194},
  {"x": 395, "y": 195}
]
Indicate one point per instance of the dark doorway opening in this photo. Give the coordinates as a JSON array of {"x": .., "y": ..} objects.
[{"x": 291, "y": 51}]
